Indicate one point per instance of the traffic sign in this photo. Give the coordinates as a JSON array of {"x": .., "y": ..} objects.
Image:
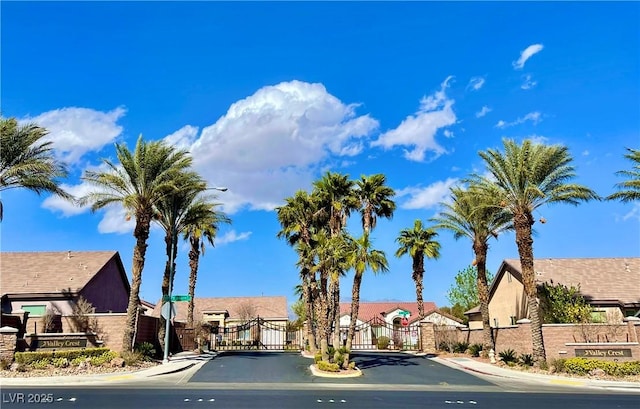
[
  {"x": 165, "y": 311},
  {"x": 181, "y": 298}
]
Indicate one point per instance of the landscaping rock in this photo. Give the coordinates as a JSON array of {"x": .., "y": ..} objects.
[
  {"x": 117, "y": 363},
  {"x": 597, "y": 372}
]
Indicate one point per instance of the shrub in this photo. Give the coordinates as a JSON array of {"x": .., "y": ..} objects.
[
  {"x": 40, "y": 364},
  {"x": 131, "y": 358},
  {"x": 329, "y": 367},
  {"x": 460, "y": 347},
  {"x": 383, "y": 342},
  {"x": 583, "y": 366},
  {"x": 28, "y": 357},
  {"x": 102, "y": 359},
  {"x": 60, "y": 362},
  {"x": 317, "y": 357},
  {"x": 526, "y": 360},
  {"x": 352, "y": 365},
  {"x": 508, "y": 356},
  {"x": 77, "y": 361},
  {"x": 558, "y": 364},
  {"x": 398, "y": 343},
  {"x": 147, "y": 350},
  {"x": 445, "y": 346},
  {"x": 5, "y": 364},
  {"x": 544, "y": 365},
  {"x": 475, "y": 349}
]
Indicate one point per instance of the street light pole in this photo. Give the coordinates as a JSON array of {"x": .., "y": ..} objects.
[{"x": 172, "y": 268}]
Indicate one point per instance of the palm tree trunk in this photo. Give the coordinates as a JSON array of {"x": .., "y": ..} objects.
[
  {"x": 308, "y": 291},
  {"x": 355, "y": 306},
  {"x": 480, "y": 249},
  {"x": 323, "y": 317},
  {"x": 418, "y": 274},
  {"x": 522, "y": 224},
  {"x": 194, "y": 259},
  {"x": 165, "y": 287},
  {"x": 141, "y": 233}
]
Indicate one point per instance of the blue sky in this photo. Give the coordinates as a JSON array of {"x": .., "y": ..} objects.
[{"x": 268, "y": 96}]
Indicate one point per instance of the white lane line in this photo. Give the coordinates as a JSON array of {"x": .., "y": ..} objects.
[
  {"x": 319, "y": 400},
  {"x": 330, "y": 400},
  {"x": 212, "y": 400},
  {"x": 343, "y": 401},
  {"x": 59, "y": 399},
  {"x": 473, "y": 402},
  {"x": 200, "y": 400},
  {"x": 448, "y": 402},
  {"x": 72, "y": 399},
  {"x": 187, "y": 399}
]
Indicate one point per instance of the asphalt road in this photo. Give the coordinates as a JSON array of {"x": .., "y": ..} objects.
[
  {"x": 124, "y": 398},
  {"x": 378, "y": 368}
]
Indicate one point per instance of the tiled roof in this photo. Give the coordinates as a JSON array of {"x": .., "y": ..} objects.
[
  {"x": 370, "y": 310},
  {"x": 600, "y": 279},
  {"x": 49, "y": 272},
  {"x": 265, "y": 307}
]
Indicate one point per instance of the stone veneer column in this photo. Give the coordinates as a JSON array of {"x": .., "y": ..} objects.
[
  {"x": 632, "y": 322},
  {"x": 428, "y": 337},
  {"x": 8, "y": 339}
]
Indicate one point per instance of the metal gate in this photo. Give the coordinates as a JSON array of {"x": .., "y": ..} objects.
[
  {"x": 372, "y": 334},
  {"x": 257, "y": 334}
]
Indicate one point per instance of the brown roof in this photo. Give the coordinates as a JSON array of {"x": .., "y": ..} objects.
[
  {"x": 600, "y": 279},
  {"x": 370, "y": 310},
  {"x": 265, "y": 307},
  {"x": 50, "y": 272}
]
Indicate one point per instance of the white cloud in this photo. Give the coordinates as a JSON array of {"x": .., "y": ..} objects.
[
  {"x": 526, "y": 54},
  {"x": 476, "y": 83},
  {"x": 419, "y": 130},
  {"x": 534, "y": 117},
  {"x": 232, "y": 236},
  {"x": 68, "y": 208},
  {"x": 115, "y": 221},
  {"x": 76, "y": 131},
  {"x": 538, "y": 139},
  {"x": 585, "y": 153},
  {"x": 448, "y": 134},
  {"x": 426, "y": 197},
  {"x": 528, "y": 82},
  {"x": 183, "y": 138},
  {"x": 274, "y": 142},
  {"x": 484, "y": 111}
]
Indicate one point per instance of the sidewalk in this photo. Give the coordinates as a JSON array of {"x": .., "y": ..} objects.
[
  {"x": 493, "y": 371},
  {"x": 178, "y": 363}
]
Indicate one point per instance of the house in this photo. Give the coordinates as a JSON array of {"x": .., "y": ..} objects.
[
  {"x": 610, "y": 285},
  {"x": 41, "y": 282},
  {"x": 376, "y": 319}
]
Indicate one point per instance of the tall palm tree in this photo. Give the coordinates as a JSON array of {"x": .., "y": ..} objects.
[
  {"x": 419, "y": 243},
  {"x": 141, "y": 180},
  {"x": 298, "y": 218},
  {"x": 27, "y": 161},
  {"x": 336, "y": 196},
  {"x": 467, "y": 215},
  {"x": 374, "y": 199},
  {"x": 362, "y": 257},
  {"x": 200, "y": 226},
  {"x": 629, "y": 190},
  {"x": 526, "y": 177}
]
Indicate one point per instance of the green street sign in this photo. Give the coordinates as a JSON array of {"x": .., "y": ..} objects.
[
  {"x": 181, "y": 298},
  {"x": 165, "y": 298},
  {"x": 405, "y": 314}
]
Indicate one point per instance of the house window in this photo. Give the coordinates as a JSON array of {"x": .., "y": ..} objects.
[
  {"x": 35, "y": 309},
  {"x": 513, "y": 320}
]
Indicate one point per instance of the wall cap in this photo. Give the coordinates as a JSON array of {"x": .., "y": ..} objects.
[
  {"x": 523, "y": 321},
  {"x": 600, "y": 344},
  {"x": 8, "y": 330},
  {"x": 631, "y": 319}
]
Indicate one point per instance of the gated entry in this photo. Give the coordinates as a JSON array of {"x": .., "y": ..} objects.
[
  {"x": 400, "y": 337},
  {"x": 257, "y": 334}
]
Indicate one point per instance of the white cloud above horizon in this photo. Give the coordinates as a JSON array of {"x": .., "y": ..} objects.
[
  {"x": 231, "y": 236},
  {"x": 475, "y": 83},
  {"x": 426, "y": 197},
  {"x": 483, "y": 111},
  {"x": 419, "y": 130},
  {"x": 528, "y": 82},
  {"x": 76, "y": 131},
  {"x": 526, "y": 54},
  {"x": 534, "y": 117}
]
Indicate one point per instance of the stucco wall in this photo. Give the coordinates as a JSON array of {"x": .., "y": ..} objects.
[
  {"x": 508, "y": 301},
  {"x": 106, "y": 291}
]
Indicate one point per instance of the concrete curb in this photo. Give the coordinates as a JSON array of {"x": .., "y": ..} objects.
[{"x": 335, "y": 375}]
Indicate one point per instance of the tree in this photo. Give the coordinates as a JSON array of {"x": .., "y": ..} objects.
[
  {"x": 525, "y": 177},
  {"x": 27, "y": 161},
  {"x": 419, "y": 243},
  {"x": 139, "y": 182},
  {"x": 629, "y": 190},
  {"x": 475, "y": 215},
  {"x": 200, "y": 227},
  {"x": 560, "y": 304},
  {"x": 374, "y": 200},
  {"x": 465, "y": 290},
  {"x": 362, "y": 257}
]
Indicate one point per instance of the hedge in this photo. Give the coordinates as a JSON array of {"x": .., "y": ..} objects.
[
  {"x": 583, "y": 366},
  {"x": 71, "y": 354}
]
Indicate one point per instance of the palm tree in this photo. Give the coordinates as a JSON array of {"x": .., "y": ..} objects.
[
  {"x": 27, "y": 161},
  {"x": 362, "y": 257},
  {"x": 629, "y": 190},
  {"x": 298, "y": 218},
  {"x": 200, "y": 225},
  {"x": 524, "y": 178},
  {"x": 468, "y": 216},
  {"x": 374, "y": 200},
  {"x": 139, "y": 183},
  {"x": 419, "y": 243},
  {"x": 337, "y": 200}
]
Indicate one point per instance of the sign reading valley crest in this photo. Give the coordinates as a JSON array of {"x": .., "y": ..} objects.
[
  {"x": 604, "y": 352},
  {"x": 61, "y": 343}
]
